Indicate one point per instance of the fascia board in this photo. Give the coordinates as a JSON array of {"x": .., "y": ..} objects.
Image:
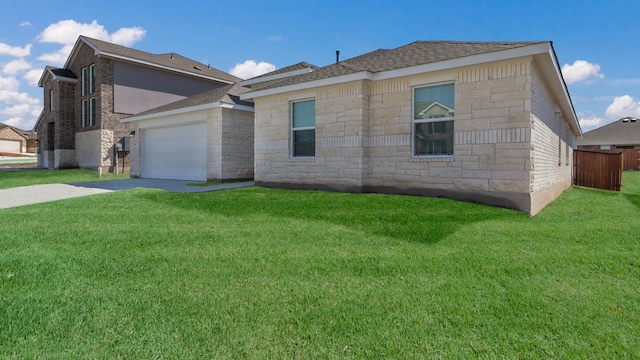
[
  {"x": 226, "y": 105},
  {"x": 362, "y": 75},
  {"x": 184, "y": 110},
  {"x": 275, "y": 77}
]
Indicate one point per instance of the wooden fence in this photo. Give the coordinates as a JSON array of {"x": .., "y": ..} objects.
[
  {"x": 597, "y": 169},
  {"x": 630, "y": 158}
]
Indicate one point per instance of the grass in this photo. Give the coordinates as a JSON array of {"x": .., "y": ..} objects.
[
  {"x": 266, "y": 273},
  {"x": 10, "y": 179}
]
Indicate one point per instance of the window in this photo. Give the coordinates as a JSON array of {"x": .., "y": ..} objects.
[
  {"x": 92, "y": 78},
  {"x": 303, "y": 128},
  {"x": 92, "y": 112},
  {"x": 85, "y": 79},
  {"x": 433, "y": 114},
  {"x": 85, "y": 112},
  {"x": 50, "y": 100}
]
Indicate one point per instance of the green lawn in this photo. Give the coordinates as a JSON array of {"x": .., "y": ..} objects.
[
  {"x": 263, "y": 273},
  {"x": 11, "y": 179}
]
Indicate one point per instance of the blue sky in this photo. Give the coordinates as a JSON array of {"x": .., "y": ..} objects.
[{"x": 596, "y": 41}]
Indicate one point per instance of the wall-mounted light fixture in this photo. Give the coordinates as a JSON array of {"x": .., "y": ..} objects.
[{"x": 132, "y": 133}]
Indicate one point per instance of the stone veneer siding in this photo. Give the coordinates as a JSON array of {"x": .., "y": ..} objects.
[
  {"x": 363, "y": 138},
  {"x": 229, "y": 141}
]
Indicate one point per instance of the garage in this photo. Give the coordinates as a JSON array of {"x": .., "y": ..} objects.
[
  {"x": 174, "y": 152},
  {"x": 10, "y": 146}
]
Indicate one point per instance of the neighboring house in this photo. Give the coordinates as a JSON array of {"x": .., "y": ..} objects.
[
  {"x": 204, "y": 137},
  {"x": 102, "y": 83},
  {"x": 621, "y": 134},
  {"x": 502, "y": 132},
  {"x": 12, "y": 140}
]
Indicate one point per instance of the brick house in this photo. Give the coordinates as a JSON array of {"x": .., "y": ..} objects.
[
  {"x": 102, "y": 83},
  {"x": 12, "y": 140},
  {"x": 487, "y": 122},
  {"x": 621, "y": 134}
]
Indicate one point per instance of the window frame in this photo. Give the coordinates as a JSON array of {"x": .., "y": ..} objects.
[
  {"x": 92, "y": 78},
  {"x": 434, "y": 120},
  {"x": 92, "y": 111},
  {"x": 293, "y": 129},
  {"x": 51, "y": 100},
  {"x": 85, "y": 75},
  {"x": 84, "y": 112}
]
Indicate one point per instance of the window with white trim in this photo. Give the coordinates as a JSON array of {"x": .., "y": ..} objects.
[
  {"x": 433, "y": 115},
  {"x": 85, "y": 79},
  {"x": 303, "y": 128},
  {"x": 85, "y": 112},
  {"x": 92, "y": 78},
  {"x": 92, "y": 112},
  {"x": 50, "y": 100}
]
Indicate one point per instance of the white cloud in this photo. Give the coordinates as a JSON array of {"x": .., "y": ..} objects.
[
  {"x": 128, "y": 36},
  {"x": 16, "y": 98},
  {"x": 623, "y": 106},
  {"x": 66, "y": 33},
  {"x": 250, "y": 69},
  {"x": 580, "y": 70},
  {"x": 591, "y": 122},
  {"x": 33, "y": 76},
  {"x": 16, "y": 122},
  {"x": 57, "y": 58},
  {"x": 274, "y": 38},
  {"x": 16, "y": 66},
  {"x": 16, "y": 110},
  {"x": 15, "y": 51},
  {"x": 25, "y": 24},
  {"x": 9, "y": 84}
]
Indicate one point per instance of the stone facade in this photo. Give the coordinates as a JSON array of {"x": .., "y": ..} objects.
[
  {"x": 229, "y": 141},
  {"x": 511, "y": 147}
]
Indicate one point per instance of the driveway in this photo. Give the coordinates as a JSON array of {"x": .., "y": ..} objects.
[{"x": 34, "y": 194}]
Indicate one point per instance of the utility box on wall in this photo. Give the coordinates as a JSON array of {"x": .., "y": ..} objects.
[{"x": 126, "y": 143}]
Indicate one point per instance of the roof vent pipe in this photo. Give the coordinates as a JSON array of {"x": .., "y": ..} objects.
[{"x": 337, "y": 56}]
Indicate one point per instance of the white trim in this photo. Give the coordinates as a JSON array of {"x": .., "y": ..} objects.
[
  {"x": 363, "y": 75},
  {"x": 185, "y": 110},
  {"x": 287, "y": 74},
  {"x": 292, "y": 130}
]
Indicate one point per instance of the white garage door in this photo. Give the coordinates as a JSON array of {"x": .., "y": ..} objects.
[
  {"x": 10, "y": 146},
  {"x": 177, "y": 152}
]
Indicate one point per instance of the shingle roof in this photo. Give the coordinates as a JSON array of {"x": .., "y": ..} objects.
[
  {"x": 228, "y": 94},
  {"x": 298, "y": 66},
  {"x": 24, "y": 133},
  {"x": 62, "y": 72},
  {"x": 170, "y": 60},
  {"x": 619, "y": 133},
  {"x": 413, "y": 54}
]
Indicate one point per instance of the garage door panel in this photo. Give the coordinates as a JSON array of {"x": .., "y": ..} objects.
[
  {"x": 178, "y": 152},
  {"x": 10, "y": 146}
]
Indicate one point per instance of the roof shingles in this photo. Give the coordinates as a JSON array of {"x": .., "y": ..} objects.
[
  {"x": 170, "y": 60},
  {"x": 413, "y": 54}
]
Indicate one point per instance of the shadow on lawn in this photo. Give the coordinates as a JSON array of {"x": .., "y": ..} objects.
[{"x": 408, "y": 218}]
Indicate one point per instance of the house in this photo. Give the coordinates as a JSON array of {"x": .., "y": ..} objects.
[
  {"x": 12, "y": 140},
  {"x": 621, "y": 134},
  {"x": 102, "y": 83},
  {"x": 208, "y": 136},
  {"x": 486, "y": 122}
]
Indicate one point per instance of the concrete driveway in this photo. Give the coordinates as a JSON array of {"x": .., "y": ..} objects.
[{"x": 34, "y": 194}]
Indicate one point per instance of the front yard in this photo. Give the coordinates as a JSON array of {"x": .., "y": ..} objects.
[{"x": 265, "y": 273}]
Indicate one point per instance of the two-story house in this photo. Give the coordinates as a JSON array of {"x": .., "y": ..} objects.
[{"x": 102, "y": 83}]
